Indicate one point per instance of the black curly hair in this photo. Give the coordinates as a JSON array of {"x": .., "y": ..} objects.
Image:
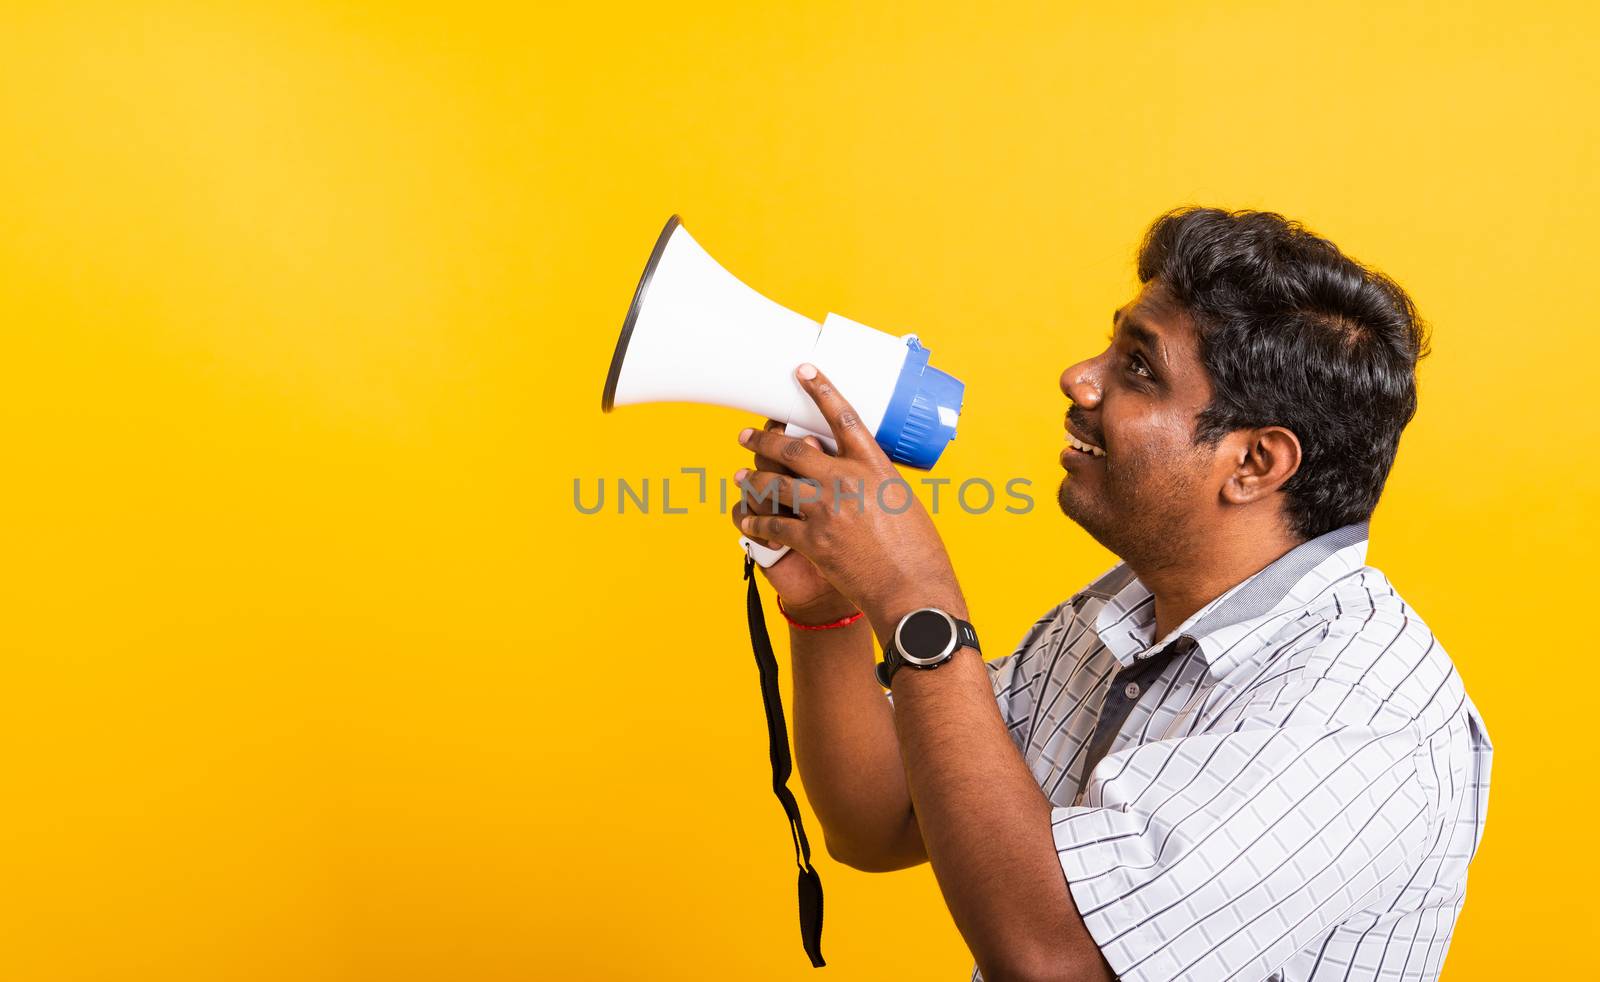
[{"x": 1294, "y": 333}]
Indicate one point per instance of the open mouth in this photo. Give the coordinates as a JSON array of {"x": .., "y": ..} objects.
[{"x": 1084, "y": 446}]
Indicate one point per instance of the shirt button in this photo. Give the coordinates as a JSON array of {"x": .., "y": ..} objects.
[{"x": 1131, "y": 690}]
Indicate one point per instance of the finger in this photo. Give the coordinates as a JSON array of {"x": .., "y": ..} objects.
[
  {"x": 737, "y": 514},
  {"x": 774, "y": 529},
  {"x": 773, "y": 424},
  {"x": 767, "y": 463},
  {"x": 848, "y": 431},
  {"x": 787, "y": 452},
  {"x": 764, "y": 492},
  {"x": 764, "y": 463},
  {"x": 770, "y": 493}
]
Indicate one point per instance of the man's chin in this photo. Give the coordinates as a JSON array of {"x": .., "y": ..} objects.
[
  {"x": 1068, "y": 497},
  {"x": 1062, "y": 493},
  {"x": 1087, "y": 517}
]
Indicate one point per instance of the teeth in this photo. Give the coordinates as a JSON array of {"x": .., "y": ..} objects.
[{"x": 1087, "y": 448}]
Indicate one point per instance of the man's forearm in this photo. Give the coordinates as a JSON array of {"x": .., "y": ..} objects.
[
  {"x": 846, "y": 751},
  {"x": 985, "y": 824}
]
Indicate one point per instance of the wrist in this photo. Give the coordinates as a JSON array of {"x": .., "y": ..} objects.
[{"x": 819, "y": 612}]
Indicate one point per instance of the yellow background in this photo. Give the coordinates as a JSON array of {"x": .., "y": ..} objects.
[{"x": 311, "y": 669}]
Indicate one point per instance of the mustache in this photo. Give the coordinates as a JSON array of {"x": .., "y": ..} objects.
[{"x": 1080, "y": 419}]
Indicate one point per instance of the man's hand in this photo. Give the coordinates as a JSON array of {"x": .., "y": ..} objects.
[
  {"x": 859, "y": 523},
  {"x": 807, "y": 596}
]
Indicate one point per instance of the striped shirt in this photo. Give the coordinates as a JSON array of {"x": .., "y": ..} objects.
[{"x": 1289, "y": 785}]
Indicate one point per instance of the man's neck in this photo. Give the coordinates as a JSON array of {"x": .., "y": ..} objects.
[{"x": 1209, "y": 568}]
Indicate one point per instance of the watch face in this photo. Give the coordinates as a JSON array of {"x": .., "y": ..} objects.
[{"x": 926, "y": 636}]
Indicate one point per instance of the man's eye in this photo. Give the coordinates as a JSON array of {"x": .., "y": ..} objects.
[{"x": 1138, "y": 367}]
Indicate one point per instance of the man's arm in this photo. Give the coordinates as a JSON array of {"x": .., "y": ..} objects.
[
  {"x": 984, "y": 821},
  {"x": 986, "y": 824},
  {"x": 847, "y": 753},
  {"x": 844, "y": 738}
]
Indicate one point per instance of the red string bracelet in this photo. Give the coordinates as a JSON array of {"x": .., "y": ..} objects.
[{"x": 841, "y": 622}]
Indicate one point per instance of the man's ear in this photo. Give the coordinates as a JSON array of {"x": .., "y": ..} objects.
[{"x": 1263, "y": 459}]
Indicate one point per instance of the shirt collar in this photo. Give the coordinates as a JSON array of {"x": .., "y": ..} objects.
[{"x": 1126, "y": 623}]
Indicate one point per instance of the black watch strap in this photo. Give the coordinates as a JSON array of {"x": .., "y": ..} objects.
[{"x": 966, "y": 636}]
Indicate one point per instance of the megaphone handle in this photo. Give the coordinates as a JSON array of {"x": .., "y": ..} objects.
[{"x": 763, "y": 556}]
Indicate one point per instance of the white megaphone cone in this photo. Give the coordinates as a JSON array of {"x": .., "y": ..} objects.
[{"x": 694, "y": 333}]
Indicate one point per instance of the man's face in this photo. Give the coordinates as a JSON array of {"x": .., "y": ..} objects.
[{"x": 1152, "y": 491}]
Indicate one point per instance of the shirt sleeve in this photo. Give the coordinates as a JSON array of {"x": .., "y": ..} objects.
[{"x": 1225, "y": 853}]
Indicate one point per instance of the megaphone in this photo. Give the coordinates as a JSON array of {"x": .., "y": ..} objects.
[{"x": 695, "y": 333}]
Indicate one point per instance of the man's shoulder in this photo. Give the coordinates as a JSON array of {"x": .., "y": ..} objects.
[{"x": 1360, "y": 632}]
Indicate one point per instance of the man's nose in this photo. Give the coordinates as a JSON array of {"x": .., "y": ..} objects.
[{"x": 1081, "y": 383}]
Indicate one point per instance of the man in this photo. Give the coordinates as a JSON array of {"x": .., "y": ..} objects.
[{"x": 1237, "y": 754}]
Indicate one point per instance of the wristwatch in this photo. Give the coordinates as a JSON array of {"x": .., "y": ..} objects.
[{"x": 925, "y": 638}]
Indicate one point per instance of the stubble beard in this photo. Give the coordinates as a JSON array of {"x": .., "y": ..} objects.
[{"x": 1144, "y": 523}]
